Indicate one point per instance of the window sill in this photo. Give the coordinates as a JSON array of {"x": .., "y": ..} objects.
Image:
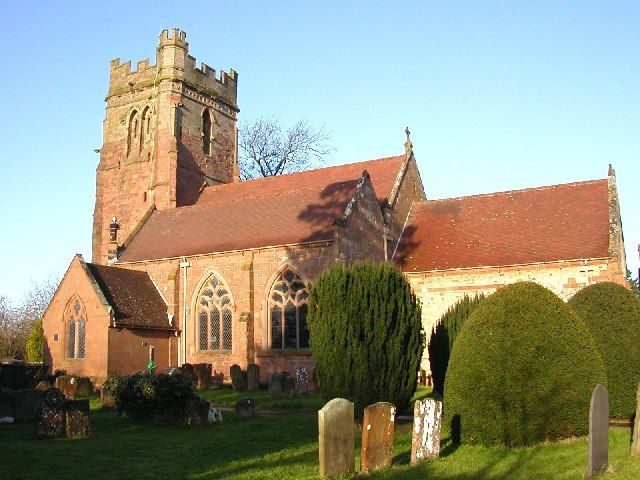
[{"x": 287, "y": 352}]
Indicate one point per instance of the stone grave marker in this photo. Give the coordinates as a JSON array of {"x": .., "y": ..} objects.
[
  {"x": 635, "y": 443},
  {"x": 598, "y": 430},
  {"x": 378, "y": 426},
  {"x": 238, "y": 378},
  {"x": 196, "y": 411},
  {"x": 336, "y": 438},
  {"x": 171, "y": 370},
  {"x": 43, "y": 385},
  {"x": 275, "y": 385},
  {"x": 68, "y": 385},
  {"x": 302, "y": 381},
  {"x": 253, "y": 377},
  {"x": 288, "y": 385},
  {"x": 203, "y": 374},
  {"x": 427, "y": 422},
  {"x": 244, "y": 407},
  {"x": 78, "y": 420},
  {"x": 50, "y": 418},
  {"x": 26, "y": 403}
]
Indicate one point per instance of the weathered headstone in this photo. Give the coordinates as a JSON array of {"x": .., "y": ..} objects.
[
  {"x": 313, "y": 384},
  {"x": 336, "y": 438},
  {"x": 377, "y": 436},
  {"x": 50, "y": 418},
  {"x": 253, "y": 377},
  {"x": 275, "y": 385},
  {"x": 196, "y": 412},
  {"x": 598, "y": 430},
  {"x": 217, "y": 379},
  {"x": 78, "y": 419},
  {"x": 68, "y": 385},
  {"x": 422, "y": 377},
  {"x": 237, "y": 379},
  {"x": 6, "y": 402},
  {"x": 171, "y": 370},
  {"x": 203, "y": 374},
  {"x": 427, "y": 421},
  {"x": 106, "y": 398},
  {"x": 244, "y": 407},
  {"x": 215, "y": 415},
  {"x": 635, "y": 443},
  {"x": 26, "y": 403},
  {"x": 302, "y": 381},
  {"x": 84, "y": 386},
  {"x": 43, "y": 385},
  {"x": 288, "y": 385}
]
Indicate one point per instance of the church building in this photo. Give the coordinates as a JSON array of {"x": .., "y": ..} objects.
[{"x": 203, "y": 268}]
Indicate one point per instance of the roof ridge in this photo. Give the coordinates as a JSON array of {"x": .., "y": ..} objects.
[{"x": 520, "y": 190}]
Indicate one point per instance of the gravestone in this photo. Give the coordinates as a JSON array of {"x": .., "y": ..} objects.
[
  {"x": 217, "y": 379},
  {"x": 253, "y": 377},
  {"x": 598, "y": 430},
  {"x": 50, "y": 417},
  {"x": 288, "y": 385},
  {"x": 203, "y": 374},
  {"x": 171, "y": 370},
  {"x": 26, "y": 403},
  {"x": 43, "y": 385},
  {"x": 84, "y": 386},
  {"x": 238, "y": 379},
  {"x": 275, "y": 386},
  {"x": 313, "y": 384},
  {"x": 214, "y": 415},
  {"x": 187, "y": 369},
  {"x": 244, "y": 407},
  {"x": 336, "y": 438},
  {"x": 422, "y": 377},
  {"x": 196, "y": 412},
  {"x": 67, "y": 385},
  {"x": 425, "y": 439},
  {"x": 302, "y": 381},
  {"x": 78, "y": 420},
  {"x": 635, "y": 443},
  {"x": 6, "y": 402},
  {"x": 377, "y": 436},
  {"x": 107, "y": 399}
]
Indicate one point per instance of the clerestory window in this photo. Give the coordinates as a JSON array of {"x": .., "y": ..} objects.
[{"x": 288, "y": 307}]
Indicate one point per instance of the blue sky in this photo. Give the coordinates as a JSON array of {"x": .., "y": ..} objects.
[{"x": 498, "y": 96}]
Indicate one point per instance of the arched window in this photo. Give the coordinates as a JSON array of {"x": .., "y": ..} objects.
[
  {"x": 214, "y": 317},
  {"x": 145, "y": 127},
  {"x": 75, "y": 320},
  {"x": 288, "y": 306},
  {"x": 132, "y": 132},
  {"x": 206, "y": 132}
]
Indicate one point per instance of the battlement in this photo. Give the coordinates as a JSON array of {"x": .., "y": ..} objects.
[{"x": 174, "y": 37}]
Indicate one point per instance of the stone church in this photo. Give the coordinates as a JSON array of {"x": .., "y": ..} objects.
[{"x": 200, "y": 267}]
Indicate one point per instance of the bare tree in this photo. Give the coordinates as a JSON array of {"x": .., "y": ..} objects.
[{"x": 266, "y": 149}]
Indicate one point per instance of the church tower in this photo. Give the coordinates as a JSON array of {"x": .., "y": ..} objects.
[{"x": 169, "y": 129}]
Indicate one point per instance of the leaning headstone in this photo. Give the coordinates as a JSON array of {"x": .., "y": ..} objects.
[
  {"x": 203, "y": 374},
  {"x": 253, "y": 377},
  {"x": 78, "y": 419},
  {"x": 336, "y": 438},
  {"x": 196, "y": 412},
  {"x": 425, "y": 439},
  {"x": 26, "y": 403},
  {"x": 275, "y": 386},
  {"x": 635, "y": 443},
  {"x": 68, "y": 385},
  {"x": 244, "y": 407},
  {"x": 378, "y": 426},
  {"x": 237, "y": 379},
  {"x": 6, "y": 402},
  {"x": 302, "y": 381},
  {"x": 50, "y": 417},
  {"x": 598, "y": 430},
  {"x": 288, "y": 385}
]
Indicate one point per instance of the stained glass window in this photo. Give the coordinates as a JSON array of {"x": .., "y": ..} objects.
[
  {"x": 214, "y": 316},
  {"x": 288, "y": 309}
]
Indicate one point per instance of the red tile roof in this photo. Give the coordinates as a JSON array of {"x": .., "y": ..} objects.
[
  {"x": 133, "y": 296},
  {"x": 293, "y": 208},
  {"x": 559, "y": 222}
]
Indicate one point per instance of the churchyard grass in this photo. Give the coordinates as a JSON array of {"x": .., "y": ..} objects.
[{"x": 270, "y": 447}]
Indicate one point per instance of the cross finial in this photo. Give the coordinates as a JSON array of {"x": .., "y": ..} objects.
[
  {"x": 408, "y": 146},
  {"x": 406, "y": 130}
]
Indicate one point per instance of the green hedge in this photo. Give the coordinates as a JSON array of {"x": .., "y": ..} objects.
[
  {"x": 444, "y": 334},
  {"x": 522, "y": 370},
  {"x": 366, "y": 335},
  {"x": 612, "y": 314}
]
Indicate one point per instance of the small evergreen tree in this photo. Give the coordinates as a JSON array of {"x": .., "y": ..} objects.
[
  {"x": 444, "y": 334},
  {"x": 35, "y": 343},
  {"x": 366, "y": 335}
]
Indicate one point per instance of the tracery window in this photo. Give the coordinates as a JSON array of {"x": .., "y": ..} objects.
[
  {"x": 214, "y": 316},
  {"x": 206, "y": 132},
  {"x": 76, "y": 324},
  {"x": 145, "y": 127},
  {"x": 132, "y": 133},
  {"x": 288, "y": 307}
]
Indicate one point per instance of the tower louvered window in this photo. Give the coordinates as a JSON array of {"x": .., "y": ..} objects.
[
  {"x": 75, "y": 319},
  {"x": 214, "y": 316},
  {"x": 206, "y": 132},
  {"x": 288, "y": 306}
]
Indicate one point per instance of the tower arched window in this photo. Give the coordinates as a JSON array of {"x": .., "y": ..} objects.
[
  {"x": 288, "y": 307},
  {"x": 206, "y": 132},
  {"x": 145, "y": 127},
  {"x": 132, "y": 133},
  {"x": 214, "y": 315},
  {"x": 75, "y": 320}
]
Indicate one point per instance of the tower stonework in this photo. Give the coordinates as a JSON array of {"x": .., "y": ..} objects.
[{"x": 169, "y": 129}]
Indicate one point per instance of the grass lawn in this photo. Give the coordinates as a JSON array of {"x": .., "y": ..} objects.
[{"x": 272, "y": 447}]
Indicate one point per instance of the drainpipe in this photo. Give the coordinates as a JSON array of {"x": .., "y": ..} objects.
[{"x": 184, "y": 265}]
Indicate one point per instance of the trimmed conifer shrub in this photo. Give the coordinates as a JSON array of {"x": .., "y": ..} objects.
[
  {"x": 444, "y": 334},
  {"x": 35, "y": 343},
  {"x": 612, "y": 314},
  {"x": 366, "y": 335},
  {"x": 522, "y": 370}
]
